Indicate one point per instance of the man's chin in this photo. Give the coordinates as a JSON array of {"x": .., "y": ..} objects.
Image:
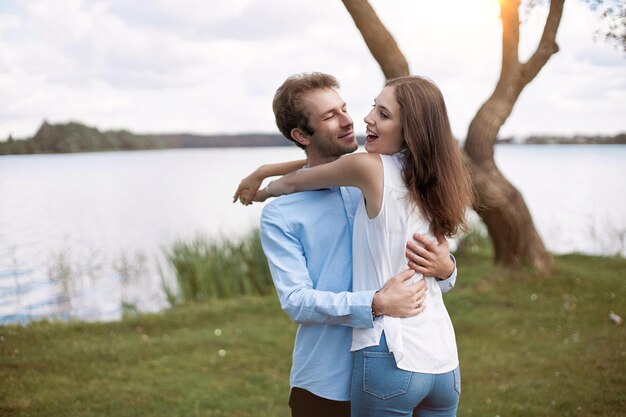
[
  {"x": 352, "y": 147},
  {"x": 350, "y": 143}
]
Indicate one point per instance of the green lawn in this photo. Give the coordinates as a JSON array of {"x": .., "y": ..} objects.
[{"x": 529, "y": 346}]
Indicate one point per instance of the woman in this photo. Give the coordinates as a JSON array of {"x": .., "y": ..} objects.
[{"x": 412, "y": 179}]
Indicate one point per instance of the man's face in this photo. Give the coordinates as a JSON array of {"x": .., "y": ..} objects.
[{"x": 332, "y": 125}]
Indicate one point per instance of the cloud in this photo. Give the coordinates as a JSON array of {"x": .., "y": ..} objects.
[{"x": 213, "y": 67}]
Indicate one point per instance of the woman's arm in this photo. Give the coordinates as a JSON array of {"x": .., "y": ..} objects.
[
  {"x": 362, "y": 170},
  {"x": 250, "y": 184}
]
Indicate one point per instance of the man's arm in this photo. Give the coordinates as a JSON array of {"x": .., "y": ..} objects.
[
  {"x": 433, "y": 260},
  {"x": 306, "y": 305}
]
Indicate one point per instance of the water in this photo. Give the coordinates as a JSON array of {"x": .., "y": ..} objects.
[{"x": 83, "y": 234}]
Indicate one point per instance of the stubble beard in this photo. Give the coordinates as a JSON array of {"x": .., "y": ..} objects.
[{"x": 330, "y": 146}]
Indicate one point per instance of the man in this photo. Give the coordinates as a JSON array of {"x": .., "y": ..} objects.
[{"x": 307, "y": 238}]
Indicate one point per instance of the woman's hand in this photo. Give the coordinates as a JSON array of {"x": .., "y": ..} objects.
[
  {"x": 248, "y": 188},
  {"x": 261, "y": 195}
]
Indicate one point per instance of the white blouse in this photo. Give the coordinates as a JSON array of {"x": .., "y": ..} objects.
[{"x": 423, "y": 343}]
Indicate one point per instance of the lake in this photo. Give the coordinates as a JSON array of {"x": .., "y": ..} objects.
[{"x": 82, "y": 235}]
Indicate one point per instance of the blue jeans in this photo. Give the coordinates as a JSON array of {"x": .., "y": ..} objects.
[{"x": 380, "y": 388}]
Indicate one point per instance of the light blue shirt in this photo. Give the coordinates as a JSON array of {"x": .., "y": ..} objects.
[{"x": 307, "y": 239}]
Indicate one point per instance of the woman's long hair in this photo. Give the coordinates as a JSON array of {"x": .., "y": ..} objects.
[{"x": 434, "y": 171}]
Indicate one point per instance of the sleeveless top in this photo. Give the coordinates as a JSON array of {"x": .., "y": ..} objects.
[{"x": 423, "y": 343}]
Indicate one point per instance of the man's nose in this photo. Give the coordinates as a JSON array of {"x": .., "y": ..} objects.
[{"x": 346, "y": 119}]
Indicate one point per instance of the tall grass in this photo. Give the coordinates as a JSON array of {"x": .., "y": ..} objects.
[{"x": 226, "y": 268}]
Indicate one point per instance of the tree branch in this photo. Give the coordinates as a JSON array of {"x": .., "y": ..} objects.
[
  {"x": 547, "y": 46},
  {"x": 514, "y": 76},
  {"x": 377, "y": 38},
  {"x": 509, "y": 13}
]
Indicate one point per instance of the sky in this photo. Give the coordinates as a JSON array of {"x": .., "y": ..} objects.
[{"x": 212, "y": 67}]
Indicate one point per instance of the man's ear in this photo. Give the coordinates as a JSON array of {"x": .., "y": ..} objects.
[{"x": 300, "y": 137}]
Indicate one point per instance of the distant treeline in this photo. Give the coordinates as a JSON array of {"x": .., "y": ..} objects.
[
  {"x": 619, "y": 139},
  {"x": 76, "y": 137},
  {"x": 579, "y": 139}
]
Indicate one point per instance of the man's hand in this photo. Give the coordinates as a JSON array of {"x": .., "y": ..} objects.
[
  {"x": 428, "y": 258},
  {"x": 398, "y": 298}
]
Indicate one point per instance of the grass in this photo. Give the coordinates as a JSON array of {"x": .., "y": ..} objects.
[
  {"x": 529, "y": 346},
  {"x": 167, "y": 364}
]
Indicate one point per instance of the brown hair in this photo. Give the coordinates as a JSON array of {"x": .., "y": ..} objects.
[
  {"x": 287, "y": 103},
  {"x": 434, "y": 171}
]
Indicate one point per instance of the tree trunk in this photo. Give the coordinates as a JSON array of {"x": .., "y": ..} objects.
[
  {"x": 381, "y": 44},
  {"x": 500, "y": 205},
  {"x": 503, "y": 210}
]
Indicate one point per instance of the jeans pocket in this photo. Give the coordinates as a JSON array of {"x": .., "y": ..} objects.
[
  {"x": 381, "y": 376},
  {"x": 457, "y": 380}
]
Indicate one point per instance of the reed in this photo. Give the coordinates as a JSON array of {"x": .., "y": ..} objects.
[{"x": 216, "y": 269}]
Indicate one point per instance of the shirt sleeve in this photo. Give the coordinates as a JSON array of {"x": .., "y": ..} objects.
[
  {"x": 302, "y": 303},
  {"x": 448, "y": 283}
]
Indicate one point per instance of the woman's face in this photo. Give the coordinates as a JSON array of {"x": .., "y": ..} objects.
[{"x": 384, "y": 128}]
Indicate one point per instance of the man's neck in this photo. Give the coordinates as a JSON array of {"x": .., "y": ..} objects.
[{"x": 320, "y": 160}]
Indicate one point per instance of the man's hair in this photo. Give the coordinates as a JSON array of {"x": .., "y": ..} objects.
[{"x": 288, "y": 109}]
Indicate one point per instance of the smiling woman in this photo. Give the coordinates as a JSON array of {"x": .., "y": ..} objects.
[{"x": 384, "y": 120}]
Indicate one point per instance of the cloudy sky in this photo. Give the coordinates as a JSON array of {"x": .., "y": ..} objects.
[{"x": 212, "y": 66}]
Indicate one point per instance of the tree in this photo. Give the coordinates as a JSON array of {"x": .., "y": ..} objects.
[{"x": 499, "y": 204}]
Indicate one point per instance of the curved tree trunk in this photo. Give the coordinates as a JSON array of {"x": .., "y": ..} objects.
[
  {"x": 500, "y": 205},
  {"x": 381, "y": 44}
]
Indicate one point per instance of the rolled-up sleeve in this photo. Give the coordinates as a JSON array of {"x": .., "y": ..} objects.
[
  {"x": 448, "y": 283},
  {"x": 300, "y": 301}
]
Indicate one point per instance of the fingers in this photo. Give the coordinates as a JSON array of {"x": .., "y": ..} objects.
[
  {"x": 421, "y": 269},
  {"x": 419, "y": 256},
  {"x": 421, "y": 293},
  {"x": 421, "y": 262},
  {"x": 426, "y": 242},
  {"x": 244, "y": 196},
  {"x": 420, "y": 298},
  {"x": 405, "y": 275},
  {"x": 414, "y": 311},
  {"x": 418, "y": 285},
  {"x": 242, "y": 192},
  {"x": 423, "y": 251},
  {"x": 419, "y": 309},
  {"x": 237, "y": 194}
]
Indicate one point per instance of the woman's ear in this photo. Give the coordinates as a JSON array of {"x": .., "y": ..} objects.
[{"x": 300, "y": 137}]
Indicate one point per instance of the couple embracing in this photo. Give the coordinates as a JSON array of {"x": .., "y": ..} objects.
[{"x": 357, "y": 248}]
